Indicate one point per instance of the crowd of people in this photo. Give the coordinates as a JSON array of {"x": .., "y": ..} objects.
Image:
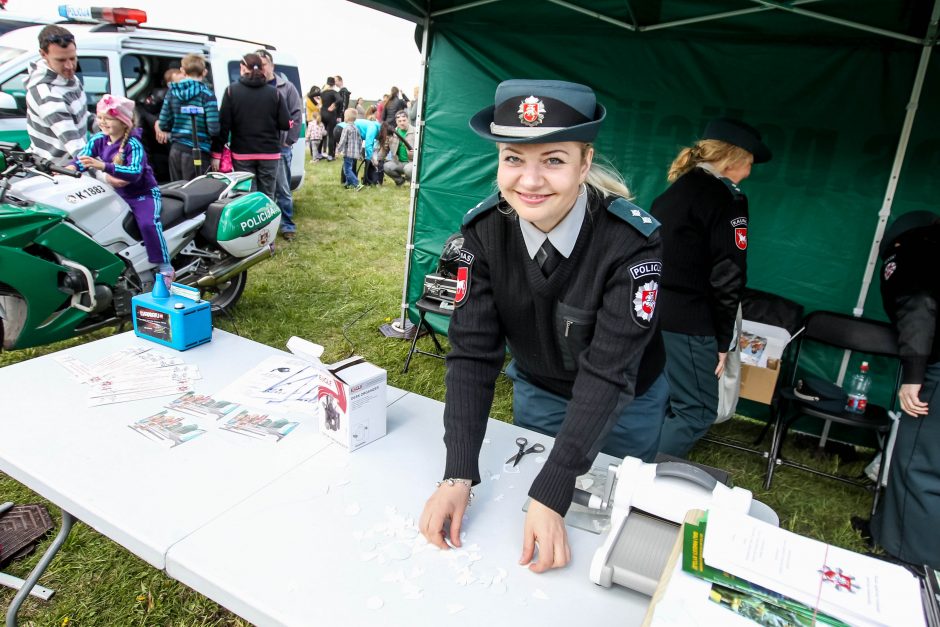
[
  {"x": 385, "y": 146},
  {"x": 619, "y": 320}
]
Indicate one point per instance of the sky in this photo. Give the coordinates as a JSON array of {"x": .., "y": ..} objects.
[{"x": 371, "y": 50}]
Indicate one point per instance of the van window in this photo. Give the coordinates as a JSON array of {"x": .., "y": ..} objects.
[
  {"x": 16, "y": 87},
  {"x": 94, "y": 74}
]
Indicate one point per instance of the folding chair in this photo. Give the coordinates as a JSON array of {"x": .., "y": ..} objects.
[
  {"x": 425, "y": 306},
  {"x": 767, "y": 308},
  {"x": 843, "y": 332}
]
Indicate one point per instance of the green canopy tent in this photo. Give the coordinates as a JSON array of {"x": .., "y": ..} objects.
[{"x": 839, "y": 89}]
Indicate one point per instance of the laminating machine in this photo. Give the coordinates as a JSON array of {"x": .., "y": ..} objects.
[{"x": 647, "y": 503}]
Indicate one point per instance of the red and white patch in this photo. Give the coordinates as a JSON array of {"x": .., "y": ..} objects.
[
  {"x": 644, "y": 301},
  {"x": 890, "y": 267},
  {"x": 531, "y": 111},
  {"x": 740, "y": 237},
  {"x": 463, "y": 278}
]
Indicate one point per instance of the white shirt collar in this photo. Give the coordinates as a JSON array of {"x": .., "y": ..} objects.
[
  {"x": 565, "y": 234},
  {"x": 710, "y": 168}
]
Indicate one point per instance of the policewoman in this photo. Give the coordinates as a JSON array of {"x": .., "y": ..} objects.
[
  {"x": 561, "y": 268},
  {"x": 704, "y": 217},
  {"x": 905, "y": 524}
]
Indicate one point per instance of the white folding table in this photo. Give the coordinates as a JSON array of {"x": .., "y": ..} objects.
[
  {"x": 89, "y": 462},
  {"x": 340, "y": 549}
]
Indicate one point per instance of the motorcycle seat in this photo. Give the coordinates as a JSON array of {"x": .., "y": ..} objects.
[
  {"x": 171, "y": 214},
  {"x": 197, "y": 196}
]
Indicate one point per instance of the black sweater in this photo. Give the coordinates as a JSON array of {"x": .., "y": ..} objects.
[
  {"x": 255, "y": 114},
  {"x": 580, "y": 333},
  {"x": 910, "y": 292},
  {"x": 704, "y": 229}
]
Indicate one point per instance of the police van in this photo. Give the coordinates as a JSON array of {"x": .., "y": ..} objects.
[{"x": 117, "y": 54}]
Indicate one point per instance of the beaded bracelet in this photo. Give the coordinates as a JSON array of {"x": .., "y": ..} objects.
[{"x": 452, "y": 481}]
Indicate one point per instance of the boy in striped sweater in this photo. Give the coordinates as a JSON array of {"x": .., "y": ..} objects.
[{"x": 190, "y": 91}]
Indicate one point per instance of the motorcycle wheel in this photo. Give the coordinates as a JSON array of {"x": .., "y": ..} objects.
[{"x": 223, "y": 297}]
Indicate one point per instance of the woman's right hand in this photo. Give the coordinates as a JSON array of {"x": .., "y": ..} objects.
[{"x": 449, "y": 502}]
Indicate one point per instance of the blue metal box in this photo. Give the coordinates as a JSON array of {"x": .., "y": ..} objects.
[{"x": 172, "y": 320}]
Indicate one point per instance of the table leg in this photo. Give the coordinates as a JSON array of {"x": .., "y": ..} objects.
[{"x": 44, "y": 561}]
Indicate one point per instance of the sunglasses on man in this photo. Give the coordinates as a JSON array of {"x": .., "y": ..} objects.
[{"x": 60, "y": 40}]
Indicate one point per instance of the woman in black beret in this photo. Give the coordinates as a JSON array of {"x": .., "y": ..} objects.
[{"x": 704, "y": 217}]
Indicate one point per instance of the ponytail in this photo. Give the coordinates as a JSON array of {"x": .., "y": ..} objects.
[{"x": 721, "y": 154}]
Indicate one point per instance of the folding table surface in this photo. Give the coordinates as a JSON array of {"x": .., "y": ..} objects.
[
  {"x": 89, "y": 462},
  {"x": 334, "y": 542}
]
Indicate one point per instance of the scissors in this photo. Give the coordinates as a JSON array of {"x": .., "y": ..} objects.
[{"x": 521, "y": 443}]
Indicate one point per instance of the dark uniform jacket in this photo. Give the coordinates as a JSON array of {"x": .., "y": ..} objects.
[
  {"x": 580, "y": 333},
  {"x": 704, "y": 225},
  {"x": 910, "y": 291}
]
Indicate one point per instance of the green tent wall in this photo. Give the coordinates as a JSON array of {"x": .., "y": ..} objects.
[{"x": 831, "y": 100}]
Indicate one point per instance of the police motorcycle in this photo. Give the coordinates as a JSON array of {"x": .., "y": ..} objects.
[{"x": 71, "y": 254}]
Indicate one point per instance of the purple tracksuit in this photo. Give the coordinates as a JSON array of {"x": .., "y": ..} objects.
[{"x": 141, "y": 192}]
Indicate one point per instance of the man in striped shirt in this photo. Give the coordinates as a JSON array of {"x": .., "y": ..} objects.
[{"x": 56, "y": 112}]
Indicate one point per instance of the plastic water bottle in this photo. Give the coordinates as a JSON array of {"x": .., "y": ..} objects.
[{"x": 858, "y": 391}]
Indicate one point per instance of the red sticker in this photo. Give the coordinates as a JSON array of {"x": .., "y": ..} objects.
[
  {"x": 463, "y": 274},
  {"x": 740, "y": 238}
]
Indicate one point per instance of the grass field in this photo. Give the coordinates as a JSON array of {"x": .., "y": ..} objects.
[{"x": 335, "y": 284}]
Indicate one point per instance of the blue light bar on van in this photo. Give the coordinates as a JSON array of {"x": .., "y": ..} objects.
[{"x": 110, "y": 15}]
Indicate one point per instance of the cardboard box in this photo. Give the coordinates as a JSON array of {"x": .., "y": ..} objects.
[
  {"x": 352, "y": 402},
  {"x": 758, "y": 384}
]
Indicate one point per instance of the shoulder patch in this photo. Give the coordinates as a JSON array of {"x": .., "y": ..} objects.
[
  {"x": 634, "y": 216},
  {"x": 732, "y": 186},
  {"x": 482, "y": 207}
]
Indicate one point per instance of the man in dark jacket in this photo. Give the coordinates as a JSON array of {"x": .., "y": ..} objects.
[
  {"x": 331, "y": 110},
  {"x": 905, "y": 523}
]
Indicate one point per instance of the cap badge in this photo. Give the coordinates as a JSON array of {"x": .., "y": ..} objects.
[{"x": 531, "y": 111}]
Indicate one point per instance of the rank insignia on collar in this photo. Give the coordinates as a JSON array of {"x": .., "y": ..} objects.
[{"x": 531, "y": 111}]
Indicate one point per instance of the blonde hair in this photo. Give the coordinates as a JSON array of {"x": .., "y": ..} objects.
[
  {"x": 119, "y": 155},
  {"x": 604, "y": 178},
  {"x": 721, "y": 154},
  {"x": 193, "y": 65},
  {"x": 350, "y": 115}
]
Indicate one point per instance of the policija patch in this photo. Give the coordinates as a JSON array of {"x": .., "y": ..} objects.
[
  {"x": 740, "y": 232},
  {"x": 645, "y": 283},
  {"x": 463, "y": 278}
]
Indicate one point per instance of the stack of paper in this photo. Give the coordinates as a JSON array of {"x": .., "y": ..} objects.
[
  {"x": 131, "y": 374},
  {"x": 800, "y": 577}
]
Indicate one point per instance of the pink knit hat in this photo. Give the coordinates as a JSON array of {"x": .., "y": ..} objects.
[{"x": 117, "y": 107}]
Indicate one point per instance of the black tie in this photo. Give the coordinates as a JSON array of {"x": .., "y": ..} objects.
[{"x": 548, "y": 258}]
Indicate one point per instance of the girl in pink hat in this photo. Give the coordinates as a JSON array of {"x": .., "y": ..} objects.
[{"x": 117, "y": 152}]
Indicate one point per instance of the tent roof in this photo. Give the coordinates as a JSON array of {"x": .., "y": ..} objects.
[{"x": 905, "y": 20}]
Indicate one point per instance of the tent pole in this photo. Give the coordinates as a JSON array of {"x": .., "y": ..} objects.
[
  {"x": 401, "y": 324},
  {"x": 462, "y": 7},
  {"x": 776, "y": 4},
  {"x": 594, "y": 14},
  {"x": 717, "y": 16},
  {"x": 885, "y": 211}
]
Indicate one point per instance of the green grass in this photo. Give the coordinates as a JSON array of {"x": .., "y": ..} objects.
[{"x": 336, "y": 284}]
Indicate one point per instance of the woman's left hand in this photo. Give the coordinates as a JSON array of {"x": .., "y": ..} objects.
[
  {"x": 720, "y": 369},
  {"x": 546, "y": 528},
  {"x": 92, "y": 163}
]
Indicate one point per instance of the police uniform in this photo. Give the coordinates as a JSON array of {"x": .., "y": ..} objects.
[
  {"x": 577, "y": 333},
  {"x": 905, "y": 523},
  {"x": 704, "y": 219}
]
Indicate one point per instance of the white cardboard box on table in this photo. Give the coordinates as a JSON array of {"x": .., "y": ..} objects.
[{"x": 352, "y": 402}]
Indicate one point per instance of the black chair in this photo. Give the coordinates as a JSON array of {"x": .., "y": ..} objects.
[
  {"x": 767, "y": 308},
  {"x": 843, "y": 332},
  {"x": 425, "y": 306}
]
